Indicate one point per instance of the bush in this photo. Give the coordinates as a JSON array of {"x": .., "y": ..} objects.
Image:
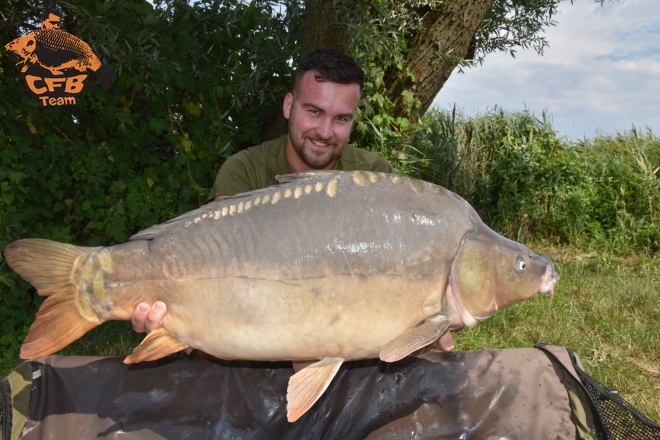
[
  {"x": 525, "y": 181},
  {"x": 626, "y": 184},
  {"x": 195, "y": 84}
]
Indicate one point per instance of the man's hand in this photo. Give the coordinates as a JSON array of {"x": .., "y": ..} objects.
[
  {"x": 147, "y": 317},
  {"x": 444, "y": 343}
]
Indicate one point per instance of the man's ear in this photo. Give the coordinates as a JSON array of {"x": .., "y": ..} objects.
[{"x": 286, "y": 106}]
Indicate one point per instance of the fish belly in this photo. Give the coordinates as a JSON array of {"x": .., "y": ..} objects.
[
  {"x": 343, "y": 316},
  {"x": 270, "y": 315}
]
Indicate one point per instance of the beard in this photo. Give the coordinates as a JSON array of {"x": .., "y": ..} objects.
[{"x": 314, "y": 159}]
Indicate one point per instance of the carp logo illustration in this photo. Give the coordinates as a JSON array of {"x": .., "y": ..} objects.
[{"x": 56, "y": 62}]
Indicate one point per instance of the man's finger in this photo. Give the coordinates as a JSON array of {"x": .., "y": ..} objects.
[
  {"x": 139, "y": 316},
  {"x": 446, "y": 342},
  {"x": 155, "y": 316}
]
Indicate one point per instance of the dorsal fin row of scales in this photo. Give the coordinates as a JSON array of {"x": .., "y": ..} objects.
[
  {"x": 291, "y": 185},
  {"x": 59, "y": 39}
]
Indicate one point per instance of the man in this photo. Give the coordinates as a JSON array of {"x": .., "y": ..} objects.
[
  {"x": 320, "y": 111},
  {"x": 50, "y": 18}
]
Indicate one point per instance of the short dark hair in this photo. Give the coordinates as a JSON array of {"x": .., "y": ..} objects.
[
  {"x": 47, "y": 11},
  {"x": 330, "y": 65}
]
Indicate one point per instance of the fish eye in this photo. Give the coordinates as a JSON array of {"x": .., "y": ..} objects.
[{"x": 521, "y": 264}]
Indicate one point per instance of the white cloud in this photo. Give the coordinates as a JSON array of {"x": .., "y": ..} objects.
[{"x": 601, "y": 72}]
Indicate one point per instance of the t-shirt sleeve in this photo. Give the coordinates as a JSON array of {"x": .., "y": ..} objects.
[
  {"x": 355, "y": 158},
  {"x": 238, "y": 174},
  {"x": 382, "y": 165}
]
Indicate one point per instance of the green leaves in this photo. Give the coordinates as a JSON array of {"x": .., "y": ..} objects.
[
  {"x": 190, "y": 77},
  {"x": 524, "y": 181},
  {"x": 157, "y": 125}
]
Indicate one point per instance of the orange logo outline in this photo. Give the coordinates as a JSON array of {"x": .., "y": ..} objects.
[{"x": 56, "y": 62}]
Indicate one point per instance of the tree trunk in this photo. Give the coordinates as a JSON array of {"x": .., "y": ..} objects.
[
  {"x": 445, "y": 39},
  {"x": 326, "y": 26}
]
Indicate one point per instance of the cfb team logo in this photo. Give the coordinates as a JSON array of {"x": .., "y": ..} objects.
[{"x": 56, "y": 62}]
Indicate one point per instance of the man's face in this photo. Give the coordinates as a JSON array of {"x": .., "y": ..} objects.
[
  {"x": 320, "y": 118},
  {"x": 52, "y": 22}
]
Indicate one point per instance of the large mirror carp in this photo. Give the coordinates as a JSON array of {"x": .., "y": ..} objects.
[{"x": 326, "y": 267}]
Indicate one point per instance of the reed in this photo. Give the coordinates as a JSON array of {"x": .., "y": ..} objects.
[{"x": 525, "y": 181}]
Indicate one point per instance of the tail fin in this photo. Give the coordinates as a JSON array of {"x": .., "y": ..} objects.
[
  {"x": 50, "y": 267},
  {"x": 105, "y": 75}
]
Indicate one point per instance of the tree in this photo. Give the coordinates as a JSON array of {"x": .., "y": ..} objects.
[
  {"x": 441, "y": 42},
  {"x": 427, "y": 39}
]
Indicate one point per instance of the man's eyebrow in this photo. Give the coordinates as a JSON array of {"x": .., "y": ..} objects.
[
  {"x": 309, "y": 104},
  {"x": 319, "y": 109}
]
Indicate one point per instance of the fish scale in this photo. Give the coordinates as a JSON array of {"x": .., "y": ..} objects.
[
  {"x": 66, "y": 47},
  {"x": 326, "y": 267}
]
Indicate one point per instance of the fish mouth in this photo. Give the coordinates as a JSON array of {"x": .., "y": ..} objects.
[{"x": 550, "y": 279}]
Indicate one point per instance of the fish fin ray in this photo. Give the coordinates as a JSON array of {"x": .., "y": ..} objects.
[
  {"x": 158, "y": 344},
  {"x": 153, "y": 231},
  {"x": 423, "y": 334},
  {"x": 58, "y": 324},
  {"x": 46, "y": 264},
  {"x": 49, "y": 266},
  {"x": 150, "y": 233},
  {"x": 307, "y": 385}
]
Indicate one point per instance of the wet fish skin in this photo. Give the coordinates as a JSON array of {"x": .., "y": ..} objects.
[{"x": 327, "y": 267}]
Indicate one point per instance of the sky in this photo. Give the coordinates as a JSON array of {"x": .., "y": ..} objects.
[{"x": 600, "y": 75}]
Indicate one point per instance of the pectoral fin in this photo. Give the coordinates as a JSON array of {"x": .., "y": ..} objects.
[
  {"x": 423, "y": 334},
  {"x": 159, "y": 343},
  {"x": 307, "y": 385},
  {"x": 297, "y": 366}
]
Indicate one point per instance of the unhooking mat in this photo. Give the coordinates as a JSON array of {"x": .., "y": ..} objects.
[{"x": 535, "y": 393}]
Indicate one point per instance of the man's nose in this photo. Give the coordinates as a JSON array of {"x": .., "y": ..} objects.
[{"x": 324, "y": 129}]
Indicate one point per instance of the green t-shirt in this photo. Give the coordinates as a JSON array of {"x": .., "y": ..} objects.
[{"x": 257, "y": 167}]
